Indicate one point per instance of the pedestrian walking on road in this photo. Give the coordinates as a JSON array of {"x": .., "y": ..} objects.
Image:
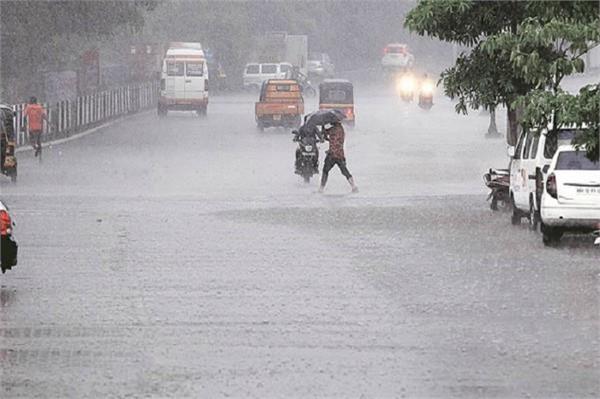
[
  {"x": 35, "y": 114},
  {"x": 335, "y": 156}
]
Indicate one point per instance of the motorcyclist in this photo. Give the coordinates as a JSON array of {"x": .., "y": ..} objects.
[{"x": 311, "y": 134}]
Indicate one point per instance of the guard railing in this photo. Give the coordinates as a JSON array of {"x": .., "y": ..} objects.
[{"x": 69, "y": 117}]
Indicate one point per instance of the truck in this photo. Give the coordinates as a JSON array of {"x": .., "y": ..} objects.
[
  {"x": 280, "y": 104},
  {"x": 279, "y": 47}
]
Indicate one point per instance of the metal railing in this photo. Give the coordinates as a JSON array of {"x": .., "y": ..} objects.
[{"x": 69, "y": 117}]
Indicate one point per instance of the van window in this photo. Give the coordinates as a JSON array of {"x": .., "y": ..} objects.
[
  {"x": 252, "y": 69},
  {"x": 194, "y": 68},
  {"x": 268, "y": 68},
  {"x": 534, "y": 146},
  {"x": 174, "y": 68},
  {"x": 284, "y": 68},
  {"x": 554, "y": 139},
  {"x": 528, "y": 145},
  {"x": 519, "y": 148},
  {"x": 575, "y": 160}
]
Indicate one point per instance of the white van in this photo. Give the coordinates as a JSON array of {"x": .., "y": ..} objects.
[
  {"x": 184, "y": 80},
  {"x": 531, "y": 159},
  {"x": 255, "y": 74}
]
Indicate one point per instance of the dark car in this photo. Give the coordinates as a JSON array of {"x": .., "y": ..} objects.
[{"x": 9, "y": 247}]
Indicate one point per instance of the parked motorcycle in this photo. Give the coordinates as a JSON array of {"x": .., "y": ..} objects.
[
  {"x": 307, "y": 156},
  {"x": 498, "y": 181}
]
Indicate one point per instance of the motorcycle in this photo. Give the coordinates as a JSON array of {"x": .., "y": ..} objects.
[
  {"x": 498, "y": 181},
  {"x": 305, "y": 84},
  {"x": 405, "y": 87},
  {"x": 307, "y": 156},
  {"x": 426, "y": 94}
]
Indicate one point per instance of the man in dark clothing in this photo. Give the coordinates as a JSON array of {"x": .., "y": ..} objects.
[{"x": 335, "y": 156}]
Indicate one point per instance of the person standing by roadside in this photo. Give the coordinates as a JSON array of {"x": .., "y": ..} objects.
[
  {"x": 35, "y": 115},
  {"x": 335, "y": 156}
]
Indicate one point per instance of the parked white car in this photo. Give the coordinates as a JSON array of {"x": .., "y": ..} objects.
[
  {"x": 255, "y": 74},
  {"x": 531, "y": 158},
  {"x": 571, "y": 198}
]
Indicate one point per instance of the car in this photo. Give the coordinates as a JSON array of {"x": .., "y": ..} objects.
[
  {"x": 320, "y": 66},
  {"x": 9, "y": 247},
  {"x": 255, "y": 74},
  {"x": 530, "y": 161},
  {"x": 397, "y": 58},
  {"x": 571, "y": 198}
]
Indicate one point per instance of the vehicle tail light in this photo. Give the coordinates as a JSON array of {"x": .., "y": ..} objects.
[
  {"x": 551, "y": 186},
  {"x": 349, "y": 112},
  {"x": 5, "y": 223}
]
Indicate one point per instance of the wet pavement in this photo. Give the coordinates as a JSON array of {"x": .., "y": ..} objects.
[{"x": 181, "y": 257}]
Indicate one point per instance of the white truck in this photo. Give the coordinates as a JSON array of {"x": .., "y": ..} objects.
[
  {"x": 184, "y": 79},
  {"x": 296, "y": 52}
]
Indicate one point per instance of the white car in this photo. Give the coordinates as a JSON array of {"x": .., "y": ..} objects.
[
  {"x": 397, "y": 57},
  {"x": 530, "y": 161},
  {"x": 571, "y": 198},
  {"x": 255, "y": 74}
]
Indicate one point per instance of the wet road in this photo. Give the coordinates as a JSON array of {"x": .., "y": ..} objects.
[{"x": 181, "y": 257}]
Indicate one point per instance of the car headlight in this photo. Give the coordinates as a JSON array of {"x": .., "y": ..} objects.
[{"x": 308, "y": 147}]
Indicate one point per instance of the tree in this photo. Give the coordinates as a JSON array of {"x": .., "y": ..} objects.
[
  {"x": 513, "y": 52},
  {"x": 39, "y": 35}
]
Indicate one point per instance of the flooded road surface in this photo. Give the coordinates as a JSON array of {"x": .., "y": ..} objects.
[{"x": 181, "y": 257}]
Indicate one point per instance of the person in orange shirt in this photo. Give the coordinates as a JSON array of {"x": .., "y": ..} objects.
[{"x": 35, "y": 115}]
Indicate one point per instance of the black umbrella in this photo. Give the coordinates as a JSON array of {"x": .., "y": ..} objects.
[{"x": 324, "y": 117}]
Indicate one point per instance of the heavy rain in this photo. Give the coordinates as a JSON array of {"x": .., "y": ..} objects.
[{"x": 300, "y": 199}]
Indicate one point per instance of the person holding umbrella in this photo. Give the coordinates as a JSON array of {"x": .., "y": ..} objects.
[{"x": 335, "y": 156}]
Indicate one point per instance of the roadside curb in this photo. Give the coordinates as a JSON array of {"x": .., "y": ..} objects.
[{"x": 27, "y": 147}]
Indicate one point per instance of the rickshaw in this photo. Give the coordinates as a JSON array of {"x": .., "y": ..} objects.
[
  {"x": 338, "y": 94},
  {"x": 8, "y": 160}
]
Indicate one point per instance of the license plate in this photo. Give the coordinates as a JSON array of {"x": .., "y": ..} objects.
[
  {"x": 588, "y": 191},
  {"x": 276, "y": 117}
]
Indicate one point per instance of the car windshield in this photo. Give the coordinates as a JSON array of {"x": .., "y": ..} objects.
[
  {"x": 575, "y": 160},
  {"x": 252, "y": 69},
  {"x": 396, "y": 50}
]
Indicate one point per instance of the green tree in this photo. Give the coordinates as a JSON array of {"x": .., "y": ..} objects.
[
  {"x": 43, "y": 35},
  {"x": 518, "y": 46}
]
